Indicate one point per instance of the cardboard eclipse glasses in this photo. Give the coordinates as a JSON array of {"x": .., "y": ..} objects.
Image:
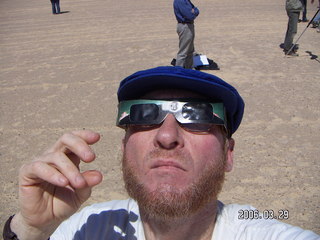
[{"x": 194, "y": 116}]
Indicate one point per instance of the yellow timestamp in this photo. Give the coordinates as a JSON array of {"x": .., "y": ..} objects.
[{"x": 245, "y": 214}]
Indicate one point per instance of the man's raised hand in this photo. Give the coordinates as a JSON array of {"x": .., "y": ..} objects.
[{"x": 52, "y": 188}]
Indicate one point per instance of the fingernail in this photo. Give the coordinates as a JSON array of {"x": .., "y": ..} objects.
[{"x": 88, "y": 155}]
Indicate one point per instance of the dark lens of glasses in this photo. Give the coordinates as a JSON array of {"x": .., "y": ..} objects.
[
  {"x": 144, "y": 113},
  {"x": 197, "y": 111},
  {"x": 197, "y": 127}
]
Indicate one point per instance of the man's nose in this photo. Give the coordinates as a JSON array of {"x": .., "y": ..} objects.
[{"x": 169, "y": 134}]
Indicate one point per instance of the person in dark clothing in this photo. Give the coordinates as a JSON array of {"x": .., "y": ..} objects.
[
  {"x": 55, "y": 6},
  {"x": 185, "y": 13},
  {"x": 304, "y": 13},
  {"x": 293, "y": 8}
]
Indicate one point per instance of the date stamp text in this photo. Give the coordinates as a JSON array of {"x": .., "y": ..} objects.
[{"x": 245, "y": 214}]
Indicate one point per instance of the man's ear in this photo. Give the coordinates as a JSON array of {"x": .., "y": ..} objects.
[
  {"x": 229, "y": 154},
  {"x": 125, "y": 139}
]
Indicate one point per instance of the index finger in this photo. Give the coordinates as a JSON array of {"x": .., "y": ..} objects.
[{"x": 77, "y": 142}]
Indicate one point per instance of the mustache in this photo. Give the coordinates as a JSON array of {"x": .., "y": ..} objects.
[{"x": 177, "y": 154}]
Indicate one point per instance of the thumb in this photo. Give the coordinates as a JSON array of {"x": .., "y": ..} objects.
[{"x": 92, "y": 178}]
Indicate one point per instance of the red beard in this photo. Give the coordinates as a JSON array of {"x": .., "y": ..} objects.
[{"x": 169, "y": 202}]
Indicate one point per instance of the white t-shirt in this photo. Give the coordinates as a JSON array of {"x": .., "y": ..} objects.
[{"x": 121, "y": 220}]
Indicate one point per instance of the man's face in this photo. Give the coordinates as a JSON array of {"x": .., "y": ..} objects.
[{"x": 172, "y": 172}]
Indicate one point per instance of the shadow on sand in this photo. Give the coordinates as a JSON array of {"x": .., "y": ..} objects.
[{"x": 313, "y": 57}]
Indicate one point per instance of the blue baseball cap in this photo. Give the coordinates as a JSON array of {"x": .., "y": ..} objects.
[{"x": 207, "y": 85}]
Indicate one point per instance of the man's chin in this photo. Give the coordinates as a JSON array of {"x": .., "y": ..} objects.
[
  {"x": 167, "y": 201},
  {"x": 166, "y": 205},
  {"x": 166, "y": 187}
]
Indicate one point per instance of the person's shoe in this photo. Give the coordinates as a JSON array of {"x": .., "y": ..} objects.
[
  {"x": 315, "y": 24},
  {"x": 295, "y": 48},
  {"x": 305, "y": 20},
  {"x": 292, "y": 53}
]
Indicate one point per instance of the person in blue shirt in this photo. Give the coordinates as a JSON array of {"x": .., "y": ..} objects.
[{"x": 185, "y": 13}]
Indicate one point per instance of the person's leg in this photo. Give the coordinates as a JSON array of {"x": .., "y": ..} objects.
[
  {"x": 317, "y": 18},
  {"x": 304, "y": 15},
  {"x": 58, "y": 6},
  {"x": 316, "y": 21},
  {"x": 53, "y": 7},
  {"x": 189, "y": 59},
  {"x": 291, "y": 29},
  {"x": 186, "y": 47}
]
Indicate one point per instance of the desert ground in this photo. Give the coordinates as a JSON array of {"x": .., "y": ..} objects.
[{"x": 60, "y": 73}]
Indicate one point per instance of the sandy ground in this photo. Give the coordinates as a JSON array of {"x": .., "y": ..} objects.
[{"x": 61, "y": 72}]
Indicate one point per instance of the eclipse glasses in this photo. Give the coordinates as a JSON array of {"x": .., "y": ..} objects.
[{"x": 194, "y": 116}]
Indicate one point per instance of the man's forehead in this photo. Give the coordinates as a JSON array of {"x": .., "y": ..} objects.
[{"x": 171, "y": 93}]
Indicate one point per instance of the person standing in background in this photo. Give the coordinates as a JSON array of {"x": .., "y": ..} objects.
[
  {"x": 185, "y": 13},
  {"x": 55, "y": 6},
  {"x": 304, "y": 13},
  {"x": 293, "y": 8},
  {"x": 316, "y": 20}
]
